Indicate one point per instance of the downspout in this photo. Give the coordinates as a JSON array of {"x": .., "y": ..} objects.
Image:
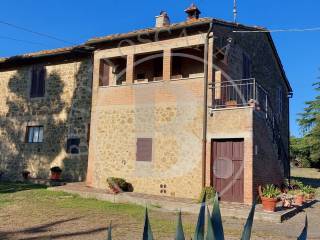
[
  {"x": 205, "y": 106},
  {"x": 288, "y": 150}
]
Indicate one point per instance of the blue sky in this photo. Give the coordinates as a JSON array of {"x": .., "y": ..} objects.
[{"x": 76, "y": 21}]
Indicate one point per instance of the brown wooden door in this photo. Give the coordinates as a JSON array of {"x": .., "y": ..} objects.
[{"x": 227, "y": 167}]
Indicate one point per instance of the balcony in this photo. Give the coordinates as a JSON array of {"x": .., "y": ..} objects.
[{"x": 239, "y": 93}]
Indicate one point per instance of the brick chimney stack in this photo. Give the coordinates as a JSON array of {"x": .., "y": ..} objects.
[
  {"x": 162, "y": 20},
  {"x": 193, "y": 12}
]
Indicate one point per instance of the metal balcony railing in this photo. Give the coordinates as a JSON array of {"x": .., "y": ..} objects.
[{"x": 239, "y": 93}]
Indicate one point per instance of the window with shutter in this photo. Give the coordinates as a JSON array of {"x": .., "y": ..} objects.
[
  {"x": 38, "y": 81},
  {"x": 103, "y": 73},
  {"x": 144, "y": 149}
]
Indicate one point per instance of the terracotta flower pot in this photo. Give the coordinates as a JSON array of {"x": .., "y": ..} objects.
[
  {"x": 299, "y": 199},
  {"x": 231, "y": 103},
  {"x": 311, "y": 196},
  {"x": 55, "y": 175},
  {"x": 269, "y": 204}
]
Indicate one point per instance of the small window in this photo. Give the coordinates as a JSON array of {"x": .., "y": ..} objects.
[
  {"x": 73, "y": 145},
  {"x": 38, "y": 81},
  {"x": 144, "y": 149},
  {"x": 34, "y": 134}
]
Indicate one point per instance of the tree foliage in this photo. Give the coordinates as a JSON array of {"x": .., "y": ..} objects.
[{"x": 309, "y": 122}]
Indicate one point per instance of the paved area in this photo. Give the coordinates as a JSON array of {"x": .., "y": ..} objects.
[{"x": 163, "y": 203}]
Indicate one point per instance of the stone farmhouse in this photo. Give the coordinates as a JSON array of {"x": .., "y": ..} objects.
[{"x": 171, "y": 109}]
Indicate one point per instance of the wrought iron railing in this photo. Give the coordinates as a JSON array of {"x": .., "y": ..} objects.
[
  {"x": 238, "y": 93},
  {"x": 247, "y": 92}
]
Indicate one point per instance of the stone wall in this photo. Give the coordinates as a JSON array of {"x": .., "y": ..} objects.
[
  {"x": 64, "y": 112},
  {"x": 168, "y": 112},
  {"x": 267, "y": 168},
  {"x": 234, "y": 123}
]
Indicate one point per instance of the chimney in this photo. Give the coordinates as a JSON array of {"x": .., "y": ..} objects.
[
  {"x": 193, "y": 12},
  {"x": 162, "y": 20}
]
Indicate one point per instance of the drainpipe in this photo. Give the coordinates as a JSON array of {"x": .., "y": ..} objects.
[{"x": 205, "y": 106}]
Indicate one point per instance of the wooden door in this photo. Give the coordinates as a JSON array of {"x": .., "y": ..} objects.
[{"x": 227, "y": 166}]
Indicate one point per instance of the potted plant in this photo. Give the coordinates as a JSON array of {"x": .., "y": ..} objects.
[
  {"x": 25, "y": 174},
  {"x": 55, "y": 173},
  {"x": 269, "y": 197},
  {"x": 231, "y": 103},
  {"x": 298, "y": 196},
  {"x": 309, "y": 193},
  {"x": 118, "y": 185}
]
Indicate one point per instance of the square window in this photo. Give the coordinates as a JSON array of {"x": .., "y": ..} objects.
[
  {"x": 73, "y": 145},
  {"x": 34, "y": 134},
  {"x": 144, "y": 149}
]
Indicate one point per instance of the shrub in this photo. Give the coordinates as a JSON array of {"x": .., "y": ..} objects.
[
  {"x": 210, "y": 193},
  {"x": 121, "y": 183},
  {"x": 270, "y": 191},
  {"x": 56, "y": 169}
]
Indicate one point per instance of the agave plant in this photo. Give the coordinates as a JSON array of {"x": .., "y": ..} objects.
[
  {"x": 109, "y": 232},
  {"x": 179, "y": 231},
  {"x": 304, "y": 233},
  {"x": 147, "y": 232},
  {"x": 214, "y": 224}
]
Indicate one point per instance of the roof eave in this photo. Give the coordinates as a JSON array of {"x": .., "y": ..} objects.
[{"x": 112, "y": 38}]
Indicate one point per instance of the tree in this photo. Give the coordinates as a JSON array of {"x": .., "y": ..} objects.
[
  {"x": 309, "y": 122},
  {"x": 299, "y": 152}
]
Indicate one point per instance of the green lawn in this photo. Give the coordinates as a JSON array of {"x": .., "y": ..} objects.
[
  {"x": 29, "y": 211},
  {"x": 35, "y": 204}
]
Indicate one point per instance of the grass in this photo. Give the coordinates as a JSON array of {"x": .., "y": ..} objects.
[
  {"x": 29, "y": 211},
  {"x": 312, "y": 173},
  {"x": 34, "y": 201}
]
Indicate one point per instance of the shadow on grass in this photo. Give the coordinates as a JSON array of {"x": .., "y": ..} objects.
[
  {"x": 47, "y": 233},
  {"x": 313, "y": 182},
  {"x": 12, "y": 187}
]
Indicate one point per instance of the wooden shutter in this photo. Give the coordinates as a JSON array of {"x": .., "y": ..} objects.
[
  {"x": 103, "y": 73},
  {"x": 34, "y": 82},
  {"x": 144, "y": 149},
  {"x": 38, "y": 81},
  {"x": 41, "y": 81}
]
